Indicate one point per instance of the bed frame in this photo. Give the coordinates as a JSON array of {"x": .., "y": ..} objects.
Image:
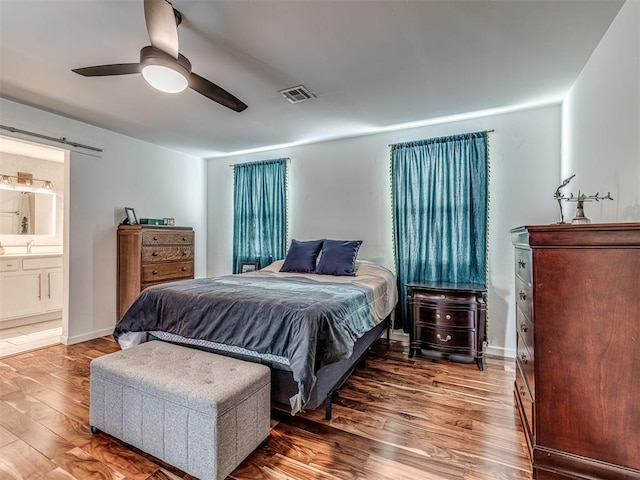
[{"x": 329, "y": 379}]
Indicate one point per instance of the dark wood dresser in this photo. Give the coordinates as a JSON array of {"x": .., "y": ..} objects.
[
  {"x": 447, "y": 320},
  {"x": 149, "y": 255},
  {"x": 577, "y": 385}
]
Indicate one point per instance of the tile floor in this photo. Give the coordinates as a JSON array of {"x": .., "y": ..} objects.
[{"x": 29, "y": 337}]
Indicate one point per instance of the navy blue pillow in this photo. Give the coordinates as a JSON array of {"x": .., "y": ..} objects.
[
  {"x": 338, "y": 257},
  {"x": 302, "y": 256}
]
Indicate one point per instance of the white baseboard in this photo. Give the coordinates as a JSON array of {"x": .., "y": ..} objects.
[
  {"x": 500, "y": 351},
  {"x": 86, "y": 336}
]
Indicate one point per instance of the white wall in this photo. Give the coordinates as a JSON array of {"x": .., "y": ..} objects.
[
  {"x": 340, "y": 189},
  {"x": 155, "y": 181},
  {"x": 601, "y": 123}
]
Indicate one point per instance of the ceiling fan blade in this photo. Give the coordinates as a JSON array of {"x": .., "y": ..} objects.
[
  {"x": 106, "y": 70},
  {"x": 215, "y": 93},
  {"x": 161, "y": 26}
]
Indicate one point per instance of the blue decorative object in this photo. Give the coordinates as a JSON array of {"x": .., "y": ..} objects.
[
  {"x": 259, "y": 212},
  {"x": 338, "y": 257},
  {"x": 439, "y": 193},
  {"x": 302, "y": 256}
]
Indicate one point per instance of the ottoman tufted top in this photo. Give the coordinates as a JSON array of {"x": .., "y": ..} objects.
[{"x": 202, "y": 381}]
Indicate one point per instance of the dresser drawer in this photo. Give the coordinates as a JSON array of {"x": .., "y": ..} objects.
[
  {"x": 524, "y": 298},
  {"x": 523, "y": 264},
  {"x": 462, "y": 342},
  {"x": 153, "y": 254},
  {"x": 524, "y": 328},
  {"x": 167, "y": 237},
  {"x": 525, "y": 400},
  {"x": 526, "y": 362},
  {"x": 166, "y": 271}
]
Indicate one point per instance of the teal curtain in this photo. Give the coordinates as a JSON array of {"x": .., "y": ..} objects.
[
  {"x": 259, "y": 212},
  {"x": 439, "y": 194}
]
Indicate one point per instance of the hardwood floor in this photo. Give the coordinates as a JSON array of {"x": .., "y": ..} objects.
[{"x": 396, "y": 419}]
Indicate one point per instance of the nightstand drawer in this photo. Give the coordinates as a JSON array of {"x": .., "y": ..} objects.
[
  {"x": 153, "y": 254},
  {"x": 166, "y": 271},
  {"x": 167, "y": 237},
  {"x": 420, "y": 295},
  {"x": 445, "y": 316},
  {"x": 447, "y": 340}
]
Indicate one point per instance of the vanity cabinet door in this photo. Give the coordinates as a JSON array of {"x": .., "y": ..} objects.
[
  {"x": 52, "y": 289},
  {"x": 20, "y": 294}
]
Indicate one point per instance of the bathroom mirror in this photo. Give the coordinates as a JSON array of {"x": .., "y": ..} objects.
[{"x": 27, "y": 213}]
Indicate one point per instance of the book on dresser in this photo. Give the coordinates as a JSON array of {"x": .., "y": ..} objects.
[
  {"x": 150, "y": 255},
  {"x": 577, "y": 372}
]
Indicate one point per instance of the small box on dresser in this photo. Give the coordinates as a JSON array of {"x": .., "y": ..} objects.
[
  {"x": 447, "y": 320},
  {"x": 150, "y": 255},
  {"x": 577, "y": 384}
]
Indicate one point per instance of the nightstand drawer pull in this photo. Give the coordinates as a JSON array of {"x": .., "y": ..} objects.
[
  {"x": 155, "y": 272},
  {"x": 448, "y": 317},
  {"x": 524, "y": 328},
  {"x": 154, "y": 254},
  {"x": 184, "y": 239},
  {"x": 521, "y": 264},
  {"x": 524, "y": 358},
  {"x": 521, "y": 389},
  {"x": 522, "y": 295},
  {"x": 184, "y": 269},
  {"x": 184, "y": 254},
  {"x": 446, "y": 339},
  {"x": 155, "y": 238}
]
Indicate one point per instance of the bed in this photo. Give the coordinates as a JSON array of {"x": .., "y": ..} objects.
[{"x": 312, "y": 330}]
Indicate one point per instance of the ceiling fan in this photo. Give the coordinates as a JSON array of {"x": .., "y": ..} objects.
[{"x": 161, "y": 64}]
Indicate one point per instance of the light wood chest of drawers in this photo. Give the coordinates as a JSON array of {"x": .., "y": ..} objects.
[{"x": 150, "y": 255}]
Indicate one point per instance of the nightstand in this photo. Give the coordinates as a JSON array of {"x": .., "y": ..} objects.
[{"x": 447, "y": 320}]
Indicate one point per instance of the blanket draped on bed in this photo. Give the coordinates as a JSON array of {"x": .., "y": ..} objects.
[{"x": 307, "y": 322}]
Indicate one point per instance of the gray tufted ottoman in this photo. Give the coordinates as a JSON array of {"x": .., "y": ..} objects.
[{"x": 201, "y": 412}]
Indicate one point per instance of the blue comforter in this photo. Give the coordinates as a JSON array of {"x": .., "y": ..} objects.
[{"x": 307, "y": 322}]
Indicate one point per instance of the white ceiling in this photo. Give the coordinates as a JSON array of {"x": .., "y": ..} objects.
[{"x": 372, "y": 64}]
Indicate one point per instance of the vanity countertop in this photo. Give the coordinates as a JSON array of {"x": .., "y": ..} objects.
[{"x": 30, "y": 255}]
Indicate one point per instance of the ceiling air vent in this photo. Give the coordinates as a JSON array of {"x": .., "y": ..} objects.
[{"x": 297, "y": 94}]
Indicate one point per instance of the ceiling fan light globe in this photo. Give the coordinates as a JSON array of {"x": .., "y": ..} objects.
[{"x": 165, "y": 78}]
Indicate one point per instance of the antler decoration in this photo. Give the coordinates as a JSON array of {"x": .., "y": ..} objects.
[{"x": 559, "y": 196}]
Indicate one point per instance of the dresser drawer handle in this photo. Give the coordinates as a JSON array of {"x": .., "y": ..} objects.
[
  {"x": 184, "y": 239},
  {"x": 446, "y": 339},
  {"x": 522, "y": 295},
  {"x": 521, "y": 389},
  {"x": 184, "y": 254},
  {"x": 155, "y": 238},
  {"x": 524, "y": 358},
  {"x": 154, "y": 254},
  {"x": 155, "y": 272},
  {"x": 184, "y": 269},
  {"x": 523, "y": 328},
  {"x": 521, "y": 264}
]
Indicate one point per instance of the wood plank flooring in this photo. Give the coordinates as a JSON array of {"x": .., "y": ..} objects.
[{"x": 395, "y": 419}]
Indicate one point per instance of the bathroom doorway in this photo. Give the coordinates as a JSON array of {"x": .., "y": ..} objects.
[{"x": 33, "y": 284}]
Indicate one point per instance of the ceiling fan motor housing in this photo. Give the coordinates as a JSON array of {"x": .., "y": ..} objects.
[{"x": 154, "y": 56}]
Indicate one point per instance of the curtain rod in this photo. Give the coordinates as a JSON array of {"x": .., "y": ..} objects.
[
  {"x": 392, "y": 144},
  {"x": 53, "y": 139},
  {"x": 287, "y": 159}
]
